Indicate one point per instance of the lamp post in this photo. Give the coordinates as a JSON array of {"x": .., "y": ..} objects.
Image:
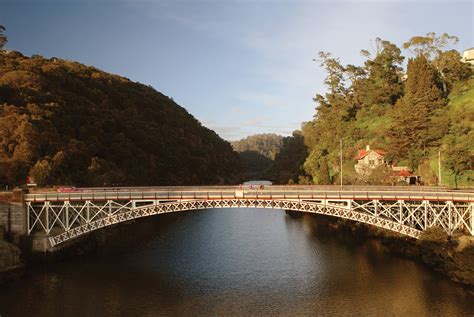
[
  {"x": 439, "y": 167},
  {"x": 340, "y": 151},
  {"x": 340, "y": 154}
]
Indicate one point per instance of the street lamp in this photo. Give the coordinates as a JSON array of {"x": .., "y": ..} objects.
[
  {"x": 439, "y": 167},
  {"x": 340, "y": 152}
]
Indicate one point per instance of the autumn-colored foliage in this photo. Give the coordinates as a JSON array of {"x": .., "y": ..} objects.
[{"x": 65, "y": 123}]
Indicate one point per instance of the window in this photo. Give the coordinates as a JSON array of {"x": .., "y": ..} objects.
[{"x": 371, "y": 162}]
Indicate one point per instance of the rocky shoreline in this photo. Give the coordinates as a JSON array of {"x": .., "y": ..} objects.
[{"x": 11, "y": 264}]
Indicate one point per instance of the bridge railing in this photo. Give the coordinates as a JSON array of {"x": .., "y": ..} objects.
[{"x": 269, "y": 192}]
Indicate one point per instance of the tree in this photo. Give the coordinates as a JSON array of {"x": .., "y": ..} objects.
[
  {"x": 41, "y": 172},
  {"x": 430, "y": 45},
  {"x": 457, "y": 158},
  {"x": 432, "y": 48},
  {"x": 335, "y": 78},
  {"x": 383, "y": 84},
  {"x": 317, "y": 166},
  {"x": 289, "y": 161},
  {"x": 3, "y": 37},
  {"x": 451, "y": 68},
  {"x": 413, "y": 128}
]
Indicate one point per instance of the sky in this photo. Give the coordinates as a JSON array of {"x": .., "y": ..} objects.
[{"x": 239, "y": 67}]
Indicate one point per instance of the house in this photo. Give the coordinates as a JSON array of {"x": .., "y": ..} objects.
[
  {"x": 368, "y": 160},
  {"x": 407, "y": 177},
  {"x": 468, "y": 56}
]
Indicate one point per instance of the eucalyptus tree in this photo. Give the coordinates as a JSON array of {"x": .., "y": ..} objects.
[
  {"x": 3, "y": 37},
  {"x": 435, "y": 49}
]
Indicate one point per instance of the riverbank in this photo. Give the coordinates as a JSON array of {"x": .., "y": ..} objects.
[
  {"x": 451, "y": 256},
  {"x": 11, "y": 265}
]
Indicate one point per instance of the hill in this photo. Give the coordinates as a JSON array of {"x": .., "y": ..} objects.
[
  {"x": 412, "y": 113},
  {"x": 257, "y": 153},
  {"x": 66, "y": 123}
]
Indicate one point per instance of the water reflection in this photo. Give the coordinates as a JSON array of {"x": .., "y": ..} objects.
[{"x": 238, "y": 262}]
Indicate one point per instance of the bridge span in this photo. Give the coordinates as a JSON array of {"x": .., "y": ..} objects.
[{"x": 405, "y": 210}]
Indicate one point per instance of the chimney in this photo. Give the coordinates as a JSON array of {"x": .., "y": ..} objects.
[{"x": 367, "y": 147}]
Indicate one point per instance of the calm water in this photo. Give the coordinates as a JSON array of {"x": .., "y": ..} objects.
[{"x": 238, "y": 262}]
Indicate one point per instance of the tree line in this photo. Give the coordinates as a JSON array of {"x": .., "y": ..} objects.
[{"x": 411, "y": 114}]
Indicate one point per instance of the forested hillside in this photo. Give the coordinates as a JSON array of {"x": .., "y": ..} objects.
[
  {"x": 65, "y": 123},
  {"x": 412, "y": 114},
  {"x": 257, "y": 153},
  {"x": 273, "y": 157}
]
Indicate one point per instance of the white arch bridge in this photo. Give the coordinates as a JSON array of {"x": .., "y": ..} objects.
[{"x": 406, "y": 210}]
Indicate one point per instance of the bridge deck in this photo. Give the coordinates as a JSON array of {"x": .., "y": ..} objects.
[{"x": 268, "y": 192}]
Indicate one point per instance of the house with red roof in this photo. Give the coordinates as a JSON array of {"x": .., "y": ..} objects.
[
  {"x": 403, "y": 175},
  {"x": 368, "y": 160}
]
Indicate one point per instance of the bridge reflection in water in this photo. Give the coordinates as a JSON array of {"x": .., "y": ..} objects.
[{"x": 406, "y": 210}]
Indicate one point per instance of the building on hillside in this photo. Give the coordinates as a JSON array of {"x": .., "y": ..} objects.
[
  {"x": 405, "y": 176},
  {"x": 368, "y": 160},
  {"x": 468, "y": 56}
]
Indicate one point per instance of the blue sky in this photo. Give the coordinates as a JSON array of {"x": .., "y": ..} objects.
[{"x": 240, "y": 67}]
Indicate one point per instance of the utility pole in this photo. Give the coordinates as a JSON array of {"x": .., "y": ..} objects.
[
  {"x": 340, "y": 148},
  {"x": 439, "y": 167}
]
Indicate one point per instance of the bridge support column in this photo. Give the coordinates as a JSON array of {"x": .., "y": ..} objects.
[{"x": 472, "y": 218}]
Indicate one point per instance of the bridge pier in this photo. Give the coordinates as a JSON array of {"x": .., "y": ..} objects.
[{"x": 13, "y": 215}]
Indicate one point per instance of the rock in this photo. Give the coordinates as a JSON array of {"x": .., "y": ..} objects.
[
  {"x": 11, "y": 266},
  {"x": 9, "y": 256}
]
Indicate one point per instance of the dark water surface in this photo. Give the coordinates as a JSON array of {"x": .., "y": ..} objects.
[{"x": 238, "y": 262}]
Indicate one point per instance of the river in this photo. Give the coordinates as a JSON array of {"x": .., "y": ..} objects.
[{"x": 237, "y": 262}]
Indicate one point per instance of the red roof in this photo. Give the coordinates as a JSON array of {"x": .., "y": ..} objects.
[
  {"x": 404, "y": 173},
  {"x": 361, "y": 153}
]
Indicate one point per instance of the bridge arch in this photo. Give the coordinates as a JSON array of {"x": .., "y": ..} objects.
[{"x": 342, "y": 209}]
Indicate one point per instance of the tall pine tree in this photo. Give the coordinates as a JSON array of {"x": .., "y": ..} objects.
[{"x": 416, "y": 123}]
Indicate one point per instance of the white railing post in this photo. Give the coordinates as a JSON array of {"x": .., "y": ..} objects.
[
  {"x": 46, "y": 220},
  {"x": 88, "y": 215},
  {"x": 66, "y": 212},
  {"x": 472, "y": 218}
]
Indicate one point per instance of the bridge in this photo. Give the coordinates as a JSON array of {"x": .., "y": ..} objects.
[{"x": 405, "y": 210}]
